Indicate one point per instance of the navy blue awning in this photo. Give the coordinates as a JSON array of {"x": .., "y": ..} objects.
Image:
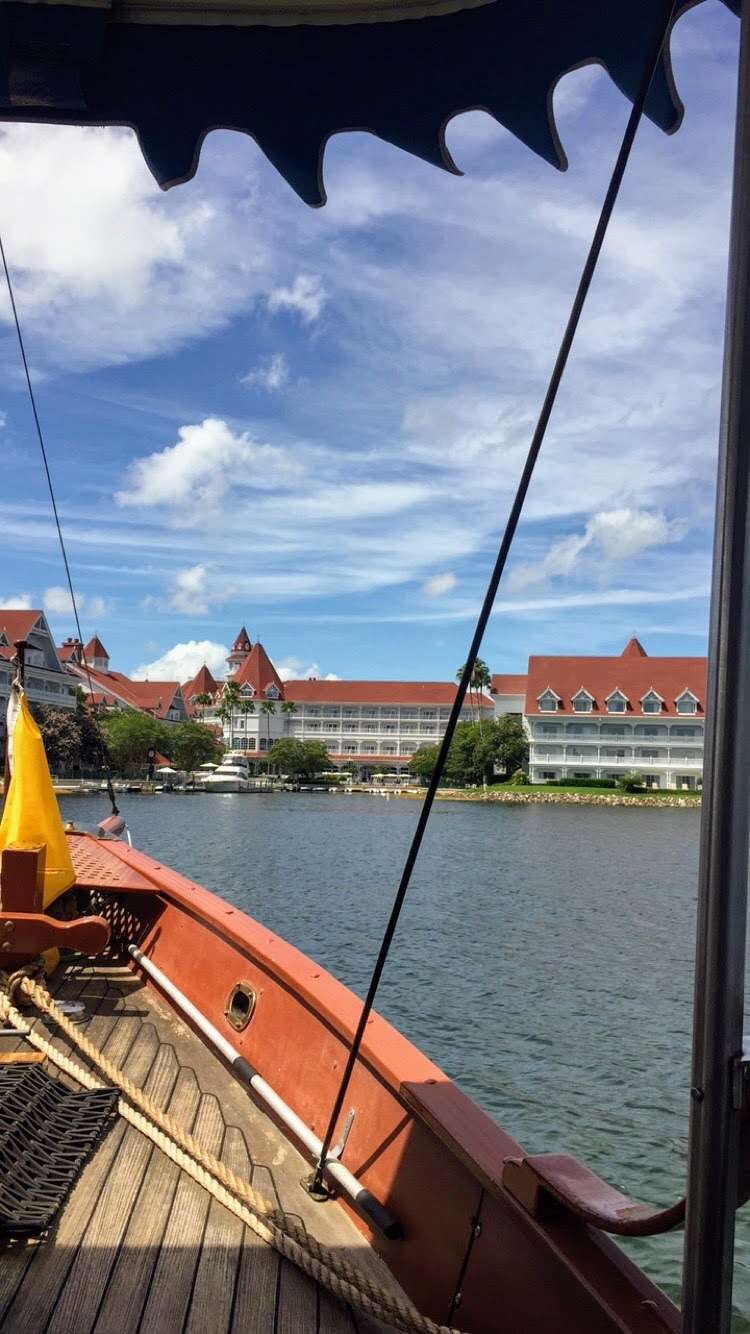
[{"x": 291, "y": 87}]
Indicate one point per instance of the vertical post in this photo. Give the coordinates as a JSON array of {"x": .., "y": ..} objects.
[{"x": 723, "y": 870}]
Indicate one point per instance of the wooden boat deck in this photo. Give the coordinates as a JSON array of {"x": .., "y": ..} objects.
[{"x": 140, "y": 1246}]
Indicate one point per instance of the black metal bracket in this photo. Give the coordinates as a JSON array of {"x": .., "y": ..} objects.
[{"x": 741, "y": 1077}]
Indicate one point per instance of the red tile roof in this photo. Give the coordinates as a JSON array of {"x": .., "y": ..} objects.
[
  {"x": 376, "y": 692},
  {"x": 242, "y": 642},
  {"x": 509, "y": 684},
  {"x": 18, "y": 624},
  {"x": 203, "y": 683},
  {"x": 70, "y": 651},
  {"x": 156, "y": 697},
  {"x": 258, "y": 671},
  {"x": 633, "y": 672},
  {"x": 95, "y": 649}
]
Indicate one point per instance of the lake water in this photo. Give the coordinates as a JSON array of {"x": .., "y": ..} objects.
[{"x": 543, "y": 960}]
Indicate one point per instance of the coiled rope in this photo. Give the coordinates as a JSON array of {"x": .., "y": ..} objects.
[{"x": 322, "y": 1264}]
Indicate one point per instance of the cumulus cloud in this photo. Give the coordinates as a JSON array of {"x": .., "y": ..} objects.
[
  {"x": 306, "y": 297},
  {"x": 58, "y": 602},
  {"x": 108, "y": 269},
  {"x": 189, "y": 590},
  {"x": 271, "y": 374},
  {"x": 195, "y": 473},
  {"x": 613, "y": 535},
  {"x": 16, "y": 602},
  {"x": 182, "y": 661},
  {"x": 294, "y": 669},
  {"x": 438, "y": 585}
]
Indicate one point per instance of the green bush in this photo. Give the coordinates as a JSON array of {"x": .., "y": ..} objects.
[
  {"x": 632, "y": 782},
  {"x": 519, "y": 778},
  {"x": 581, "y": 782}
]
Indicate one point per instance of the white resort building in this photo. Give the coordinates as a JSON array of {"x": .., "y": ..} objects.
[
  {"x": 46, "y": 681},
  {"x": 589, "y": 717},
  {"x": 374, "y": 725}
]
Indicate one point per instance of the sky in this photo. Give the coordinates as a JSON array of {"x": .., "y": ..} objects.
[{"x": 311, "y": 422}]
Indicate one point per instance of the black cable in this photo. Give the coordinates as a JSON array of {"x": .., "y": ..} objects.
[
  {"x": 40, "y": 437},
  {"x": 489, "y": 598}
]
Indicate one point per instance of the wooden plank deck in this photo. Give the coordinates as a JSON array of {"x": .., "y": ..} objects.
[{"x": 140, "y": 1246}]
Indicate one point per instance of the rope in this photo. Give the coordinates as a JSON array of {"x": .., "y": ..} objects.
[
  {"x": 56, "y": 516},
  {"x": 561, "y": 361},
  {"x": 322, "y": 1264}
]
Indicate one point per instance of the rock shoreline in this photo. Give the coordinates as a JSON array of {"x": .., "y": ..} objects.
[{"x": 564, "y": 798}]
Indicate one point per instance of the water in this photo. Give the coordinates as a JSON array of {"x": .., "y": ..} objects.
[{"x": 544, "y": 958}]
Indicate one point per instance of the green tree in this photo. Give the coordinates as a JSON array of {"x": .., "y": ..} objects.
[
  {"x": 299, "y": 759},
  {"x": 229, "y": 703},
  {"x": 130, "y": 735},
  {"x": 61, "y": 736},
  {"x": 268, "y": 709},
  {"x": 193, "y": 744},
  {"x": 480, "y": 680},
  {"x": 422, "y": 763},
  {"x": 512, "y": 748},
  {"x": 202, "y": 702}
]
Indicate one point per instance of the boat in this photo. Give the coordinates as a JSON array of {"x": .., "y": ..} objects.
[
  {"x": 232, "y": 775},
  {"x": 246, "y": 1144}
]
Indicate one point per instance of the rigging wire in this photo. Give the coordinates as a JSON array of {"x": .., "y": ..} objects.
[
  {"x": 53, "y": 501},
  {"x": 532, "y": 456}
]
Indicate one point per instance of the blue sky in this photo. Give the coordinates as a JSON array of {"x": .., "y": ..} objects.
[{"x": 312, "y": 421}]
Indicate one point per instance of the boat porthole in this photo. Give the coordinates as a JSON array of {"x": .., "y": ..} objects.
[{"x": 240, "y": 1005}]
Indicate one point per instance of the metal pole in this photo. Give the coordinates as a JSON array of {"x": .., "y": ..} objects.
[{"x": 723, "y": 871}]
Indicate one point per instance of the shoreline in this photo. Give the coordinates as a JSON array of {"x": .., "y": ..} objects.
[{"x": 562, "y": 798}]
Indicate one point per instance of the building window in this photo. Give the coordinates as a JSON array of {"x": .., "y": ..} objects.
[
  {"x": 582, "y": 702},
  {"x": 686, "y": 704},
  {"x": 651, "y": 703},
  {"x": 548, "y": 702},
  {"x": 264, "y": 743},
  {"x": 616, "y": 703},
  {"x": 546, "y": 774},
  {"x": 428, "y": 713},
  {"x": 551, "y": 729},
  {"x": 246, "y": 689},
  {"x": 351, "y": 713}
]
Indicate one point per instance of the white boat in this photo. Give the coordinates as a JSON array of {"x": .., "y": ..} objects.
[{"x": 232, "y": 775}]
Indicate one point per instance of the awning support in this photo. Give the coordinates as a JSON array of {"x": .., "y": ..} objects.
[{"x": 714, "y": 1155}]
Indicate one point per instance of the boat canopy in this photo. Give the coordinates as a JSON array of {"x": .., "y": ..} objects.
[{"x": 293, "y": 72}]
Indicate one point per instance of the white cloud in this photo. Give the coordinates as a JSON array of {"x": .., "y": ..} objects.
[
  {"x": 108, "y": 269},
  {"x": 306, "y": 296},
  {"x": 196, "y": 473},
  {"x": 271, "y": 374},
  {"x": 57, "y": 602},
  {"x": 438, "y": 585},
  {"x": 182, "y": 661},
  {"x": 615, "y": 535},
  {"x": 190, "y": 592},
  {"x": 293, "y": 669},
  {"x": 17, "y": 602}
]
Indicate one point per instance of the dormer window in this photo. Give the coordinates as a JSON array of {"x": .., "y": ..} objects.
[
  {"x": 651, "y": 702},
  {"x": 247, "y": 689},
  {"x": 582, "y": 701},
  {"x": 548, "y": 701},
  {"x": 687, "y": 702},
  {"x": 272, "y": 692},
  {"x": 616, "y": 702}
]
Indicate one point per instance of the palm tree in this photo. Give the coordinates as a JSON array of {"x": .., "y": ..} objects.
[
  {"x": 230, "y": 700},
  {"x": 202, "y": 701},
  {"x": 246, "y": 707},
  {"x": 289, "y": 707},
  {"x": 268, "y": 708},
  {"x": 480, "y": 680}
]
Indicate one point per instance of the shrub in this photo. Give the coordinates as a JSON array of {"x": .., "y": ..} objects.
[
  {"x": 632, "y": 782},
  {"x": 581, "y": 782},
  {"x": 519, "y": 778}
]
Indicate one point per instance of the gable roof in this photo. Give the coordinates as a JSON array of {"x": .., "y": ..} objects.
[
  {"x": 95, "y": 649},
  {"x": 155, "y": 697},
  {"x": 203, "y": 683},
  {"x": 18, "y": 624},
  {"x": 70, "y": 651},
  {"x": 258, "y": 671},
  {"x": 242, "y": 642},
  {"x": 378, "y": 692},
  {"x": 632, "y": 672}
]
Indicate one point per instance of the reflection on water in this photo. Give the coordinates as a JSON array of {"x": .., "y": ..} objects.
[{"x": 544, "y": 958}]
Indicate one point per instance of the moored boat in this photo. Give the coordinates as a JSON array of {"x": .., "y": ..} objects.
[{"x": 232, "y": 775}]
